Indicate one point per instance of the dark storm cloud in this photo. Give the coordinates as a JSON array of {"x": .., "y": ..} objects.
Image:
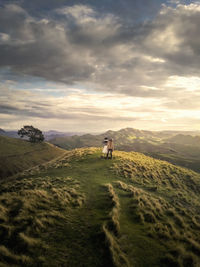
[
  {"x": 38, "y": 47},
  {"x": 78, "y": 43}
]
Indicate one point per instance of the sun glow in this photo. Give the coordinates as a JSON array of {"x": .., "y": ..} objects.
[{"x": 188, "y": 83}]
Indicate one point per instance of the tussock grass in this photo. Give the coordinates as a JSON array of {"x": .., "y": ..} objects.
[
  {"x": 150, "y": 217},
  {"x": 30, "y": 241},
  {"x": 118, "y": 257},
  {"x": 62, "y": 161},
  {"x": 113, "y": 223},
  {"x": 12, "y": 258},
  {"x": 29, "y": 207},
  {"x": 156, "y": 174},
  {"x": 172, "y": 226},
  {"x": 113, "y": 196},
  {"x": 111, "y": 229}
]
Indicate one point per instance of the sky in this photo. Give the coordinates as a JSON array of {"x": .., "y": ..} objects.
[{"x": 90, "y": 66}]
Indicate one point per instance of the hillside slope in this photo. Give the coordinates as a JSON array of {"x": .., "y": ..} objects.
[
  {"x": 82, "y": 210},
  {"x": 179, "y": 149},
  {"x": 17, "y": 155}
]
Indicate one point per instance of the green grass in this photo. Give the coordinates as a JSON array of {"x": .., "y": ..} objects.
[
  {"x": 17, "y": 155},
  {"x": 82, "y": 210},
  {"x": 179, "y": 149}
]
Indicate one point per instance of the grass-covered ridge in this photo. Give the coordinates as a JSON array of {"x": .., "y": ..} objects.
[
  {"x": 81, "y": 210},
  {"x": 17, "y": 155},
  {"x": 180, "y": 148}
]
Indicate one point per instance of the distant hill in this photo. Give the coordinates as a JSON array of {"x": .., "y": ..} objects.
[
  {"x": 180, "y": 149},
  {"x": 9, "y": 133},
  {"x": 47, "y": 134},
  {"x": 82, "y": 210},
  {"x": 184, "y": 140},
  {"x": 17, "y": 155},
  {"x": 54, "y": 134},
  {"x": 2, "y": 131}
]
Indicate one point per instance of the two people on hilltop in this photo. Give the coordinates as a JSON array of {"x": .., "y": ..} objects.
[{"x": 108, "y": 147}]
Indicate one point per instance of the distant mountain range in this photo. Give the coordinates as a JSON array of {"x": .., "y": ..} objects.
[
  {"x": 178, "y": 147},
  {"x": 54, "y": 134},
  {"x": 9, "y": 133},
  {"x": 48, "y": 134}
]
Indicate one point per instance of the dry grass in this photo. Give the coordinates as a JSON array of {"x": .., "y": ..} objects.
[
  {"x": 118, "y": 257},
  {"x": 156, "y": 174},
  {"x": 173, "y": 226},
  {"x": 111, "y": 229},
  {"x": 28, "y": 208},
  {"x": 12, "y": 258},
  {"x": 17, "y": 155},
  {"x": 153, "y": 203},
  {"x": 113, "y": 223},
  {"x": 62, "y": 161}
]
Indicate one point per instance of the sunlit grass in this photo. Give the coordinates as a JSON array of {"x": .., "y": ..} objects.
[
  {"x": 29, "y": 207},
  {"x": 18, "y": 155},
  {"x": 111, "y": 229},
  {"x": 82, "y": 210},
  {"x": 165, "y": 200}
]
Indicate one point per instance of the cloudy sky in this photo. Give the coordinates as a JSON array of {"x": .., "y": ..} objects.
[{"x": 90, "y": 66}]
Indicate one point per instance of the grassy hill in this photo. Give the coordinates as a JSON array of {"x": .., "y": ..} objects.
[
  {"x": 82, "y": 210},
  {"x": 185, "y": 139},
  {"x": 17, "y": 155},
  {"x": 181, "y": 149}
]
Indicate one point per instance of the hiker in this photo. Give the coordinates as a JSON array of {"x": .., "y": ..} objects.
[
  {"x": 105, "y": 149},
  {"x": 110, "y": 147}
]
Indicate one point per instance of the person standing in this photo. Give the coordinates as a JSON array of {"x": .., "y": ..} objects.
[
  {"x": 110, "y": 147},
  {"x": 105, "y": 149}
]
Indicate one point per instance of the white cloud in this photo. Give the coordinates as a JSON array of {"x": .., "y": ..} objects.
[
  {"x": 187, "y": 83},
  {"x": 82, "y": 13},
  {"x": 122, "y": 74},
  {"x": 80, "y": 111},
  {"x": 4, "y": 37}
]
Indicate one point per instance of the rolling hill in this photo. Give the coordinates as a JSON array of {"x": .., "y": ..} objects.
[
  {"x": 180, "y": 148},
  {"x": 83, "y": 210},
  {"x": 185, "y": 139},
  {"x": 51, "y": 134},
  {"x": 12, "y": 134},
  {"x": 17, "y": 155}
]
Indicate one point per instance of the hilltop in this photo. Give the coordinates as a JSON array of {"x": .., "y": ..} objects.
[
  {"x": 17, "y": 155},
  {"x": 82, "y": 210},
  {"x": 181, "y": 148}
]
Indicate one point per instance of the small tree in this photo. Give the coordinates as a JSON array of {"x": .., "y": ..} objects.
[{"x": 34, "y": 134}]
